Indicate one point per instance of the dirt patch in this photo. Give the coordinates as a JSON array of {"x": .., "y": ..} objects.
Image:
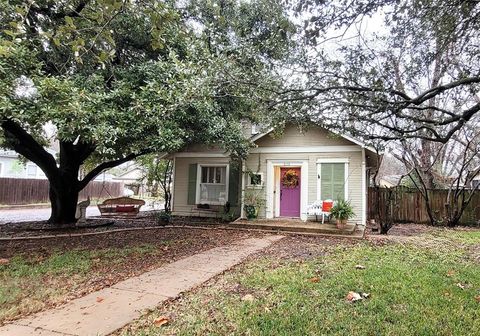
[
  {"x": 302, "y": 247},
  {"x": 407, "y": 229}
]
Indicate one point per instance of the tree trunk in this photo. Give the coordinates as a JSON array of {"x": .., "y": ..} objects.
[{"x": 63, "y": 195}]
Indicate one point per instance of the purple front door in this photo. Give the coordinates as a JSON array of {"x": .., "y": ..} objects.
[{"x": 290, "y": 192}]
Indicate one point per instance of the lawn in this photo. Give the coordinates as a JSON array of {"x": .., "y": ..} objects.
[
  {"x": 43, "y": 273},
  {"x": 420, "y": 285}
]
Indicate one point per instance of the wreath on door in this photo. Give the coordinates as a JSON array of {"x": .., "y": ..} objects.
[{"x": 290, "y": 179}]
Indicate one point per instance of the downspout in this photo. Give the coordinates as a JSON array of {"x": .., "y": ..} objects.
[{"x": 364, "y": 189}]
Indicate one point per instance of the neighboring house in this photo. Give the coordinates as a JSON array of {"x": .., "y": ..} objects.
[
  {"x": 290, "y": 172},
  {"x": 12, "y": 166},
  {"x": 390, "y": 181},
  {"x": 132, "y": 179}
]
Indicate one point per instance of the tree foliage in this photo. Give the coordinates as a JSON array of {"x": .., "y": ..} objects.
[{"x": 112, "y": 80}]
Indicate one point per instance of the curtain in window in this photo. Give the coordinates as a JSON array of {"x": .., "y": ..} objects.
[{"x": 212, "y": 185}]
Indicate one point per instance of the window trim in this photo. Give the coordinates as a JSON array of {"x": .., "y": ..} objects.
[
  {"x": 199, "y": 182},
  {"x": 255, "y": 186},
  {"x": 31, "y": 165},
  {"x": 345, "y": 161}
]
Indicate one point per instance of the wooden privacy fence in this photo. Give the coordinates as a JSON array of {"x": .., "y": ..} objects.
[
  {"x": 410, "y": 206},
  {"x": 29, "y": 191}
]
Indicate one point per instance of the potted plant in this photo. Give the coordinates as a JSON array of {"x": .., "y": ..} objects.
[
  {"x": 253, "y": 200},
  {"x": 163, "y": 217},
  {"x": 342, "y": 211}
]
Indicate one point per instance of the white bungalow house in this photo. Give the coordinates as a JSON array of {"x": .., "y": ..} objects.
[{"x": 317, "y": 163}]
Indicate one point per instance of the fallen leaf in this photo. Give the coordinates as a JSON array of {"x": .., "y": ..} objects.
[
  {"x": 248, "y": 297},
  {"x": 353, "y": 296},
  {"x": 100, "y": 299},
  {"x": 459, "y": 285},
  {"x": 4, "y": 261},
  {"x": 360, "y": 267},
  {"x": 477, "y": 298},
  {"x": 160, "y": 321},
  {"x": 314, "y": 279},
  {"x": 450, "y": 273}
]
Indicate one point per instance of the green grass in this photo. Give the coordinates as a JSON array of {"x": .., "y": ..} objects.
[
  {"x": 31, "y": 283},
  {"x": 413, "y": 291}
]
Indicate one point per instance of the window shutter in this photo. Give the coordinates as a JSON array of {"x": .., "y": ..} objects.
[
  {"x": 233, "y": 183},
  {"x": 326, "y": 191},
  {"x": 192, "y": 183},
  {"x": 332, "y": 184},
  {"x": 339, "y": 181}
]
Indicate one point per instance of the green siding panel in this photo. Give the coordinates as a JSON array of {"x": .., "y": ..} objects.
[
  {"x": 192, "y": 183},
  {"x": 234, "y": 183}
]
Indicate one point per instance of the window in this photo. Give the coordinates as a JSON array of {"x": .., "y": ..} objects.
[
  {"x": 332, "y": 181},
  {"x": 255, "y": 180},
  {"x": 31, "y": 170},
  {"x": 255, "y": 129},
  {"x": 213, "y": 184}
]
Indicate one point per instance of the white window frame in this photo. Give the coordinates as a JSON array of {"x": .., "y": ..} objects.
[
  {"x": 199, "y": 182},
  {"x": 255, "y": 186},
  {"x": 345, "y": 161},
  {"x": 34, "y": 166}
]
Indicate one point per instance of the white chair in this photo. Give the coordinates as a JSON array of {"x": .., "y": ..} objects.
[{"x": 316, "y": 209}]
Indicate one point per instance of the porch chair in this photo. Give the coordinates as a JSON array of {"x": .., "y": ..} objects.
[{"x": 318, "y": 208}]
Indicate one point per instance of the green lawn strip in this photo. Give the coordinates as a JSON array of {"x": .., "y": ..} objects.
[
  {"x": 29, "y": 283},
  {"x": 413, "y": 292}
]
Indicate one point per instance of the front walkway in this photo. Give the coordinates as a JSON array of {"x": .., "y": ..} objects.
[{"x": 104, "y": 311}]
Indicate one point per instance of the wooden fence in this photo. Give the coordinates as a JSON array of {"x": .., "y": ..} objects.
[
  {"x": 410, "y": 206},
  {"x": 30, "y": 191}
]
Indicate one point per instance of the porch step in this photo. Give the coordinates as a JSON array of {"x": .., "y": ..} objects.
[{"x": 294, "y": 226}]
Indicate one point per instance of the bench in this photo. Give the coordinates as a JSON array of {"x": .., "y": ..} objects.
[
  {"x": 320, "y": 208},
  {"x": 121, "y": 206}
]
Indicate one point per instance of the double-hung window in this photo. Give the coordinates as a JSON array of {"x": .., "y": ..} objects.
[
  {"x": 213, "y": 184},
  {"x": 332, "y": 180}
]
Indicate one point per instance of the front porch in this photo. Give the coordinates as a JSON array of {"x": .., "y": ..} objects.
[{"x": 296, "y": 225}]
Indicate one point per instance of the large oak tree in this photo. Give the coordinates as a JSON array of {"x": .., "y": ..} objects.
[{"x": 112, "y": 80}]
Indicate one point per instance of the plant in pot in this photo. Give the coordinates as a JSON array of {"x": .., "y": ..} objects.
[
  {"x": 342, "y": 211},
  {"x": 163, "y": 217},
  {"x": 252, "y": 202}
]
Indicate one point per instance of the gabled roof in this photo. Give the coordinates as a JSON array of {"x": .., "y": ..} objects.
[{"x": 347, "y": 137}]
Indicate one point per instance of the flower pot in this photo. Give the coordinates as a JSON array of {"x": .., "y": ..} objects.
[
  {"x": 250, "y": 211},
  {"x": 341, "y": 224}
]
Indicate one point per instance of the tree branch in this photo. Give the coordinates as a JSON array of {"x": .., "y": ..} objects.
[
  {"x": 25, "y": 144},
  {"x": 106, "y": 165}
]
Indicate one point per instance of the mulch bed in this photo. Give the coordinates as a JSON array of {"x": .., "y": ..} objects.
[{"x": 198, "y": 240}]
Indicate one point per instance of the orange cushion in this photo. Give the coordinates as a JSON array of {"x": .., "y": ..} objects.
[{"x": 326, "y": 206}]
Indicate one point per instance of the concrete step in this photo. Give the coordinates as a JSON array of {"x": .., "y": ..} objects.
[{"x": 294, "y": 226}]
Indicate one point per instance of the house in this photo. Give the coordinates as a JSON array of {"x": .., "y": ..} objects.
[
  {"x": 133, "y": 178},
  {"x": 290, "y": 172},
  {"x": 12, "y": 166}
]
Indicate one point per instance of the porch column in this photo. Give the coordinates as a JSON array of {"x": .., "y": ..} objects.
[
  {"x": 304, "y": 191},
  {"x": 269, "y": 190}
]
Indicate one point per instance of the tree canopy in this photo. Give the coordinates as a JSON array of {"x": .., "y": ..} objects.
[{"x": 112, "y": 80}]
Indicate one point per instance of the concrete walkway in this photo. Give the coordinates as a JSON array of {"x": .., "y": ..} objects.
[{"x": 104, "y": 311}]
